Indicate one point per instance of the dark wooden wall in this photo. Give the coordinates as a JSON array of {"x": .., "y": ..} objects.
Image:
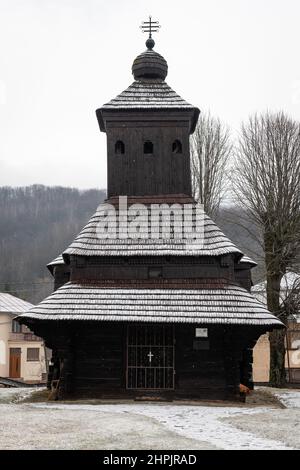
[
  {"x": 93, "y": 359},
  {"x": 100, "y": 358},
  {"x": 61, "y": 275},
  {"x": 139, "y": 267},
  {"x": 200, "y": 369},
  {"x": 243, "y": 276},
  {"x": 139, "y": 174}
]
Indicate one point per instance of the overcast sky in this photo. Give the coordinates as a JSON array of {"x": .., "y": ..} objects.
[{"x": 62, "y": 59}]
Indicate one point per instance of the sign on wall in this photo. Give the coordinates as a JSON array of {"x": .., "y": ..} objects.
[{"x": 201, "y": 332}]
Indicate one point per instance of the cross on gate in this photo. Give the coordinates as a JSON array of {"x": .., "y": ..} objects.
[{"x": 150, "y": 355}]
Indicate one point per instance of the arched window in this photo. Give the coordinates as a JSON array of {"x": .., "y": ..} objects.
[
  {"x": 119, "y": 147},
  {"x": 148, "y": 147},
  {"x": 177, "y": 146}
]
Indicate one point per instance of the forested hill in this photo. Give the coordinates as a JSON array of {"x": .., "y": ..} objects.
[{"x": 37, "y": 223}]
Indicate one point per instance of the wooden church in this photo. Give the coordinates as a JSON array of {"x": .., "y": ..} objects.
[{"x": 150, "y": 317}]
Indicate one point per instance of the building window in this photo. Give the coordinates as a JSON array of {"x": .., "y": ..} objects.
[
  {"x": 177, "y": 146},
  {"x": 148, "y": 147},
  {"x": 16, "y": 327},
  {"x": 33, "y": 354},
  {"x": 119, "y": 147}
]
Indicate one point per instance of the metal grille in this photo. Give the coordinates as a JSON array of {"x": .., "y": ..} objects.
[{"x": 150, "y": 357}]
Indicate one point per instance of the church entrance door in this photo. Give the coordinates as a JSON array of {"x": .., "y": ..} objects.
[{"x": 150, "y": 357}]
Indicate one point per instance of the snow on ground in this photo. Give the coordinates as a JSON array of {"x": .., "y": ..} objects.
[
  {"x": 289, "y": 399},
  {"x": 132, "y": 425},
  {"x": 27, "y": 426},
  {"x": 13, "y": 395},
  {"x": 194, "y": 422},
  {"x": 282, "y": 424}
]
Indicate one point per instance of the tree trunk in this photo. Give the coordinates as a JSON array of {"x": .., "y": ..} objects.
[
  {"x": 276, "y": 337},
  {"x": 277, "y": 358}
]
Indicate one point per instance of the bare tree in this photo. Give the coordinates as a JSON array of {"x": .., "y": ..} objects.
[
  {"x": 267, "y": 183},
  {"x": 211, "y": 148},
  {"x": 290, "y": 297}
]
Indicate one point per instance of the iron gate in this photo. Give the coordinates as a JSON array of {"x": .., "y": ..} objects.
[{"x": 150, "y": 357}]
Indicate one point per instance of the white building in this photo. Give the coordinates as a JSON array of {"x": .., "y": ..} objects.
[{"x": 22, "y": 354}]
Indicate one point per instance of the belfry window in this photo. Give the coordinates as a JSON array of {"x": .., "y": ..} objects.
[
  {"x": 177, "y": 146},
  {"x": 119, "y": 147},
  {"x": 148, "y": 147}
]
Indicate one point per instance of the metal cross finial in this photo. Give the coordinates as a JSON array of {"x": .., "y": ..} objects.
[{"x": 150, "y": 26}]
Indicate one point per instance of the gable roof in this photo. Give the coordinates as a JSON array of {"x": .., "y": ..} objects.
[{"x": 12, "y": 304}]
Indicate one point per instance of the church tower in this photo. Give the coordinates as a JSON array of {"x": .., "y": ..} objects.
[{"x": 148, "y": 128}]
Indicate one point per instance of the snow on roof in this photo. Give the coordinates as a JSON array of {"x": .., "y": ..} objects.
[
  {"x": 57, "y": 261},
  {"x": 246, "y": 259},
  {"x": 88, "y": 243},
  {"x": 148, "y": 93},
  {"x": 11, "y": 304},
  {"x": 230, "y": 304}
]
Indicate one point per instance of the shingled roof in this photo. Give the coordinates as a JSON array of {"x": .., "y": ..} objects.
[
  {"x": 247, "y": 260},
  {"x": 11, "y": 304},
  {"x": 149, "y": 91},
  {"x": 147, "y": 94},
  {"x": 229, "y": 304},
  {"x": 56, "y": 262},
  {"x": 88, "y": 243}
]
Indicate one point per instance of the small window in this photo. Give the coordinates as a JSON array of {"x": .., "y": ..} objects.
[
  {"x": 177, "y": 146},
  {"x": 16, "y": 327},
  {"x": 33, "y": 354},
  {"x": 119, "y": 147},
  {"x": 148, "y": 147}
]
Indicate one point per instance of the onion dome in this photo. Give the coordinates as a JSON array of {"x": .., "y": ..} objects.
[
  {"x": 150, "y": 64},
  {"x": 149, "y": 91}
]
